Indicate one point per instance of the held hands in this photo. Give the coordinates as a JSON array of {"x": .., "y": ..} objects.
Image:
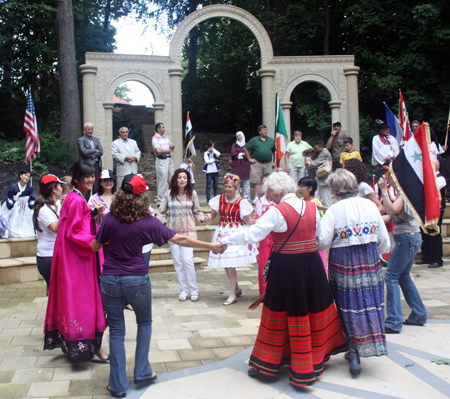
[
  {"x": 218, "y": 248},
  {"x": 206, "y": 218}
]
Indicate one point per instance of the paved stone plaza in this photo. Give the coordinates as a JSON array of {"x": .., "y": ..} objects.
[{"x": 200, "y": 350}]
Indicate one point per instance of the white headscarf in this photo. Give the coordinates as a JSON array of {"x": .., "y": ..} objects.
[{"x": 242, "y": 142}]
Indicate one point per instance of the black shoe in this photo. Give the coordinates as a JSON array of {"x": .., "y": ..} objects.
[
  {"x": 253, "y": 373},
  {"x": 355, "y": 368},
  {"x": 146, "y": 381},
  {"x": 421, "y": 262},
  {"x": 434, "y": 265},
  {"x": 408, "y": 323},
  {"x": 388, "y": 330}
]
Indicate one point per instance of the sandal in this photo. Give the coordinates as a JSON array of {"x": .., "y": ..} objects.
[{"x": 122, "y": 395}]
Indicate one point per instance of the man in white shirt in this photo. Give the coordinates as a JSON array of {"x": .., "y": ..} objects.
[
  {"x": 127, "y": 154},
  {"x": 384, "y": 149},
  {"x": 163, "y": 162}
]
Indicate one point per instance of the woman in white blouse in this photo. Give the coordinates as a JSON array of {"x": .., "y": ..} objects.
[
  {"x": 45, "y": 220},
  {"x": 355, "y": 231},
  {"x": 212, "y": 169}
]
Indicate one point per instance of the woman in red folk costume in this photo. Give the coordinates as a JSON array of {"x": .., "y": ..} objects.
[
  {"x": 234, "y": 213},
  {"x": 299, "y": 322}
]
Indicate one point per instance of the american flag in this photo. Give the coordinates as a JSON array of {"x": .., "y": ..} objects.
[{"x": 30, "y": 126}]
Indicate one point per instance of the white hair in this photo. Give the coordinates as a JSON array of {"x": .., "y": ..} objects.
[
  {"x": 88, "y": 123},
  {"x": 280, "y": 183},
  {"x": 343, "y": 183}
]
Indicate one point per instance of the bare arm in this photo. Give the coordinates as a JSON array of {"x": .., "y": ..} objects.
[
  {"x": 329, "y": 143},
  {"x": 250, "y": 159},
  {"x": 286, "y": 154},
  {"x": 391, "y": 208},
  {"x": 53, "y": 227},
  {"x": 186, "y": 241},
  {"x": 376, "y": 201},
  {"x": 95, "y": 246}
]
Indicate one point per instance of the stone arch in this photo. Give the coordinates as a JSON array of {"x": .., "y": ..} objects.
[
  {"x": 311, "y": 77},
  {"x": 137, "y": 77},
  {"x": 221, "y": 11}
]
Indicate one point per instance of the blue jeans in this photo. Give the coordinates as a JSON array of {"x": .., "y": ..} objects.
[
  {"x": 398, "y": 276},
  {"x": 215, "y": 178},
  {"x": 137, "y": 291}
]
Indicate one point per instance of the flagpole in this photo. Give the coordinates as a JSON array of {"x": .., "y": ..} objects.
[
  {"x": 446, "y": 134},
  {"x": 31, "y": 160}
]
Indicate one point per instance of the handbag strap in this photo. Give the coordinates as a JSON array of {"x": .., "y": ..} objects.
[{"x": 295, "y": 228}]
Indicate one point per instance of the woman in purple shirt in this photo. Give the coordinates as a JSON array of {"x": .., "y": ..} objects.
[{"x": 128, "y": 227}]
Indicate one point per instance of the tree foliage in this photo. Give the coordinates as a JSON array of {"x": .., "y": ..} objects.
[{"x": 121, "y": 92}]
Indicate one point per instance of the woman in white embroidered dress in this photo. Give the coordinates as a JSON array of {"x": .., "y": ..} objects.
[
  {"x": 234, "y": 211},
  {"x": 355, "y": 231}
]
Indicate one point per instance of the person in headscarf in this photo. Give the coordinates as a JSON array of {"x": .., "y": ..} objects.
[{"x": 240, "y": 165}]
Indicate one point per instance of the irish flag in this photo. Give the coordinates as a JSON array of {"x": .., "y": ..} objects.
[
  {"x": 281, "y": 135},
  {"x": 414, "y": 176}
]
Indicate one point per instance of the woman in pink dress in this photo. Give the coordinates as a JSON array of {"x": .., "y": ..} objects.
[{"x": 75, "y": 319}]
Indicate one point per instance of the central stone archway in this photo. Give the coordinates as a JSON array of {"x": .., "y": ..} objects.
[{"x": 103, "y": 72}]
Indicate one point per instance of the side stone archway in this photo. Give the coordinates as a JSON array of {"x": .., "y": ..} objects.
[{"x": 103, "y": 72}]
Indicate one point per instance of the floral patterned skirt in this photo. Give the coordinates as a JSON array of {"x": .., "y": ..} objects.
[
  {"x": 357, "y": 283},
  {"x": 77, "y": 351}
]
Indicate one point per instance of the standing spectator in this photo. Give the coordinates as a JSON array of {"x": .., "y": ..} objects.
[
  {"x": 127, "y": 154},
  {"x": 130, "y": 130},
  {"x": 17, "y": 209},
  {"x": 355, "y": 231},
  {"x": 163, "y": 162},
  {"x": 180, "y": 204},
  {"x": 295, "y": 161},
  {"x": 189, "y": 165},
  {"x": 233, "y": 211},
  {"x": 384, "y": 149},
  {"x": 75, "y": 319},
  {"x": 407, "y": 243},
  {"x": 212, "y": 169},
  {"x": 240, "y": 165},
  {"x": 323, "y": 191},
  {"x": 299, "y": 323},
  {"x": 349, "y": 152},
  {"x": 260, "y": 151},
  {"x": 414, "y": 126},
  {"x": 91, "y": 151},
  {"x": 335, "y": 143},
  {"x": 125, "y": 278},
  {"x": 45, "y": 220}
]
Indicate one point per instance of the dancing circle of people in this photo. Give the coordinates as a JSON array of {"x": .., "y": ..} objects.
[{"x": 94, "y": 257}]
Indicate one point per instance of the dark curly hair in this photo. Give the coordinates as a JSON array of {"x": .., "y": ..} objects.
[
  {"x": 357, "y": 168},
  {"x": 173, "y": 186},
  {"x": 130, "y": 207}
]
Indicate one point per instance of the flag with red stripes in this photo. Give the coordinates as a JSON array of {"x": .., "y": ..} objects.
[
  {"x": 33, "y": 147},
  {"x": 404, "y": 121}
]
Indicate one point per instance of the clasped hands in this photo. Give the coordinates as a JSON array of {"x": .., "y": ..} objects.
[{"x": 218, "y": 248}]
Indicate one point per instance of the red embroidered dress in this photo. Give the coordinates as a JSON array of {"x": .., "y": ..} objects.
[
  {"x": 299, "y": 322},
  {"x": 230, "y": 221}
]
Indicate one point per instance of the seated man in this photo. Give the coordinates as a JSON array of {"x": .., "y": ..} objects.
[{"x": 17, "y": 210}]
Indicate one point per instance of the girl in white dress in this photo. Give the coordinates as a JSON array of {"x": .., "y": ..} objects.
[{"x": 234, "y": 211}]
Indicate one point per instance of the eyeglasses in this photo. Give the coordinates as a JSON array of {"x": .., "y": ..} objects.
[{"x": 108, "y": 180}]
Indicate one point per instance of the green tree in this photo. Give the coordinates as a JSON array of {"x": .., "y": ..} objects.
[{"x": 121, "y": 92}]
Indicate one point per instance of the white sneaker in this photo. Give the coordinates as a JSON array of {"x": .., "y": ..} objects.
[{"x": 255, "y": 200}]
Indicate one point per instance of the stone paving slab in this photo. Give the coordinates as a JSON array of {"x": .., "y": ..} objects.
[{"x": 197, "y": 338}]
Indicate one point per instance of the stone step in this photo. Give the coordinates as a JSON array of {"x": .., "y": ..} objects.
[
  {"x": 18, "y": 247},
  {"x": 22, "y": 270}
]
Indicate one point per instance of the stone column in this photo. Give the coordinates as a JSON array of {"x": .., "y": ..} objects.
[
  {"x": 351, "y": 75},
  {"x": 335, "y": 111},
  {"x": 89, "y": 73},
  {"x": 106, "y": 139},
  {"x": 159, "y": 112},
  {"x": 286, "y": 107},
  {"x": 176, "y": 134},
  {"x": 268, "y": 100}
]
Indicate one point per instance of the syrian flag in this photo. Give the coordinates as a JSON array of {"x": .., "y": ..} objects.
[
  {"x": 414, "y": 176},
  {"x": 189, "y": 138},
  {"x": 281, "y": 135},
  {"x": 404, "y": 121},
  {"x": 395, "y": 128}
]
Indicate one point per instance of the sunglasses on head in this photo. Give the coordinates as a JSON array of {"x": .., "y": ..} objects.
[{"x": 108, "y": 180}]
